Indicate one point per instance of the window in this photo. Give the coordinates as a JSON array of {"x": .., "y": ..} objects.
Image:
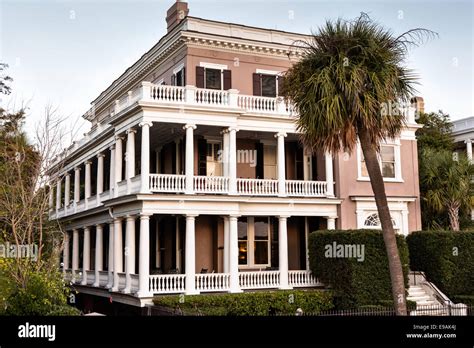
[
  {"x": 254, "y": 241},
  {"x": 243, "y": 240},
  {"x": 372, "y": 221},
  {"x": 269, "y": 86},
  {"x": 178, "y": 78},
  {"x": 213, "y": 76},
  {"x": 389, "y": 158},
  {"x": 213, "y": 79},
  {"x": 269, "y": 162},
  {"x": 213, "y": 163},
  {"x": 265, "y": 83},
  {"x": 261, "y": 229}
]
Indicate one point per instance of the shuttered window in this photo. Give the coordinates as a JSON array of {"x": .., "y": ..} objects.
[{"x": 213, "y": 78}]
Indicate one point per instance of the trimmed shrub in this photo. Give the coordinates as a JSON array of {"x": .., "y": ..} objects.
[
  {"x": 249, "y": 304},
  {"x": 446, "y": 257},
  {"x": 355, "y": 283}
]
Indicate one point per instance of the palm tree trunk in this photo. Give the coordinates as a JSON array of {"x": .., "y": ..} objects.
[
  {"x": 394, "y": 263},
  {"x": 453, "y": 213}
]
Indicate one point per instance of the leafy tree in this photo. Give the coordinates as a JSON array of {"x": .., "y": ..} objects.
[
  {"x": 447, "y": 183},
  {"x": 349, "y": 73}
]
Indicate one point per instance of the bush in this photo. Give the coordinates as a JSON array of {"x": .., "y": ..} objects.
[
  {"x": 355, "y": 283},
  {"x": 446, "y": 257},
  {"x": 249, "y": 304},
  {"x": 44, "y": 293},
  {"x": 466, "y": 299}
]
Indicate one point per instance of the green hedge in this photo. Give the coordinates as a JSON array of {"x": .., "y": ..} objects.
[
  {"x": 251, "y": 303},
  {"x": 446, "y": 257},
  {"x": 355, "y": 283}
]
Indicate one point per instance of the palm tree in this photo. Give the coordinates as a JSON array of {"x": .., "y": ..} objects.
[
  {"x": 350, "y": 74},
  {"x": 447, "y": 183}
]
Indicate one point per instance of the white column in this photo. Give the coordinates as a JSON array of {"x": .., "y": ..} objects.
[
  {"x": 189, "y": 158},
  {"x": 283, "y": 252},
  {"x": 118, "y": 163},
  {"x": 99, "y": 245},
  {"x": 226, "y": 244},
  {"x": 130, "y": 158},
  {"x": 233, "y": 255},
  {"x": 66, "y": 251},
  {"x": 88, "y": 182},
  {"x": 112, "y": 170},
  {"x": 77, "y": 186},
  {"x": 331, "y": 222},
  {"x": 190, "y": 255},
  {"x": 129, "y": 253},
  {"x": 329, "y": 175},
  {"x": 232, "y": 165},
  {"x": 100, "y": 176},
  {"x": 144, "y": 254},
  {"x": 178, "y": 242},
  {"x": 110, "y": 267},
  {"x": 469, "y": 149},
  {"x": 75, "y": 252},
  {"x": 281, "y": 163},
  {"x": 58, "y": 194},
  {"x": 225, "y": 153},
  {"x": 86, "y": 255},
  {"x": 145, "y": 157},
  {"x": 118, "y": 255},
  {"x": 67, "y": 190}
]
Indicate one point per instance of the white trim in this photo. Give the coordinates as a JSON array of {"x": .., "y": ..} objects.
[
  {"x": 213, "y": 66},
  {"x": 269, "y": 72},
  {"x": 398, "y": 211},
  {"x": 178, "y": 68},
  {"x": 159, "y": 82}
]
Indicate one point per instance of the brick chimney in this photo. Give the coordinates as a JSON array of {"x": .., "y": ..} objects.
[
  {"x": 176, "y": 14},
  {"x": 418, "y": 103}
]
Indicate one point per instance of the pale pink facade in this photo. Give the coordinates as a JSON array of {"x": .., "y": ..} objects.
[{"x": 192, "y": 178}]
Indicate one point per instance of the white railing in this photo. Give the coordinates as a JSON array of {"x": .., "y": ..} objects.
[
  {"x": 259, "y": 104},
  {"x": 306, "y": 188},
  {"x": 259, "y": 280},
  {"x": 302, "y": 279},
  {"x": 211, "y": 97},
  {"x": 211, "y": 184},
  {"x": 167, "y": 93},
  {"x": 167, "y": 283},
  {"x": 213, "y": 282},
  {"x": 167, "y": 183},
  {"x": 257, "y": 187},
  {"x": 135, "y": 281},
  {"x": 103, "y": 278}
]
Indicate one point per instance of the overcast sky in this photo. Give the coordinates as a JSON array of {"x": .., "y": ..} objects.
[{"x": 66, "y": 52}]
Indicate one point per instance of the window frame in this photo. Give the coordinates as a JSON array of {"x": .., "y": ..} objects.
[
  {"x": 214, "y": 66},
  {"x": 179, "y": 69},
  {"x": 276, "y": 74},
  {"x": 251, "y": 244},
  {"x": 397, "y": 158}
]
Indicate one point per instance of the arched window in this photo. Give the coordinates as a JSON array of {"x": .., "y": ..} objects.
[{"x": 373, "y": 221}]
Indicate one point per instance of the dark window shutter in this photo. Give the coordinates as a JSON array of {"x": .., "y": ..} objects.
[
  {"x": 227, "y": 80},
  {"x": 199, "y": 77},
  {"x": 202, "y": 157},
  {"x": 173, "y": 80},
  {"x": 259, "y": 166},
  {"x": 173, "y": 158},
  {"x": 257, "y": 84},
  {"x": 184, "y": 77}
]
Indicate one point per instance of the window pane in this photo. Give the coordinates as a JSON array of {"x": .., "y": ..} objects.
[
  {"x": 179, "y": 78},
  {"x": 261, "y": 228},
  {"x": 217, "y": 147},
  {"x": 209, "y": 150},
  {"x": 363, "y": 169},
  {"x": 213, "y": 79},
  {"x": 261, "y": 252},
  {"x": 242, "y": 253},
  {"x": 268, "y": 86},
  {"x": 388, "y": 169},
  {"x": 387, "y": 153},
  {"x": 242, "y": 229}
]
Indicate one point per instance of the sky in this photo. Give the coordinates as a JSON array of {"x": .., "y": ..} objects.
[{"x": 65, "y": 53}]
